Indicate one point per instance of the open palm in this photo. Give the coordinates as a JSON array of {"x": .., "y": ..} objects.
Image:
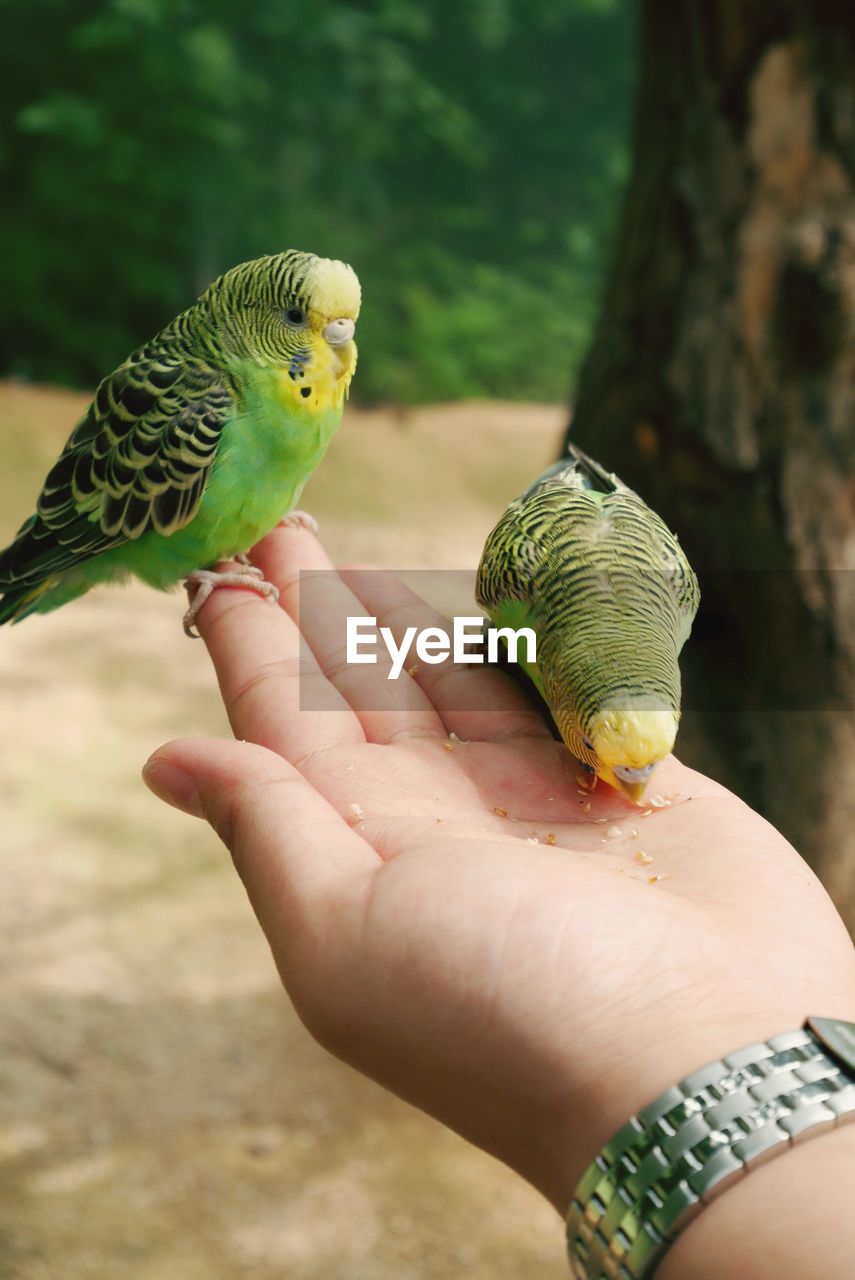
[{"x": 450, "y": 908}]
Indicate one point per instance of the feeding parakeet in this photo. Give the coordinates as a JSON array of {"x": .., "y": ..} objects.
[
  {"x": 198, "y": 444},
  {"x": 611, "y": 597}
]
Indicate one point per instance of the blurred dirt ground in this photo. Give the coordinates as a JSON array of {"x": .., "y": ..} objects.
[{"x": 163, "y": 1114}]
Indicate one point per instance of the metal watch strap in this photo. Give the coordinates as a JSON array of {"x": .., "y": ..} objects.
[{"x": 700, "y": 1136}]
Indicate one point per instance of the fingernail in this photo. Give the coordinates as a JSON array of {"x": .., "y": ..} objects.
[{"x": 175, "y": 786}]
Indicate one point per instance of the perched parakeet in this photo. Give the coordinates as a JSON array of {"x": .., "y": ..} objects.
[
  {"x": 198, "y": 444},
  {"x": 611, "y": 598}
]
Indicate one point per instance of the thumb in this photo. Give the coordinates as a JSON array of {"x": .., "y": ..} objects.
[
  {"x": 289, "y": 844},
  {"x": 211, "y": 778}
]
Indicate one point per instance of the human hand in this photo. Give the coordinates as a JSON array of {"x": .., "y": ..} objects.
[{"x": 529, "y": 995}]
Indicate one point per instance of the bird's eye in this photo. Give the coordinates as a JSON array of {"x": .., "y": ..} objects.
[
  {"x": 586, "y": 742},
  {"x": 295, "y": 316}
]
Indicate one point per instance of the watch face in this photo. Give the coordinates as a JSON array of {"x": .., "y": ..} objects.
[{"x": 837, "y": 1037}]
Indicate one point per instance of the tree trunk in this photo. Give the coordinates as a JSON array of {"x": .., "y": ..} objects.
[{"x": 720, "y": 385}]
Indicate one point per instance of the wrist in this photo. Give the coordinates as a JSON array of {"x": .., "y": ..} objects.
[
  {"x": 702, "y": 1136},
  {"x": 790, "y": 1219},
  {"x": 627, "y": 1078}
]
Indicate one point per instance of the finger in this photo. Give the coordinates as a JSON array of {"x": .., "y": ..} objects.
[
  {"x": 263, "y": 667},
  {"x": 296, "y": 856},
  {"x": 474, "y": 700},
  {"x": 319, "y": 602}
]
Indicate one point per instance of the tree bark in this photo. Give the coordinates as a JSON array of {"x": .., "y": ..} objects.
[{"x": 720, "y": 385}]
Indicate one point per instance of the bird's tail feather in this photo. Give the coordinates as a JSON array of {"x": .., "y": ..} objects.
[{"x": 19, "y": 602}]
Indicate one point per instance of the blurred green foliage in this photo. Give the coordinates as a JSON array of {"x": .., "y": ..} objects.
[{"x": 465, "y": 155}]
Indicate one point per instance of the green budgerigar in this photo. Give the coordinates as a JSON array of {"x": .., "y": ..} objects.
[
  {"x": 611, "y": 598},
  {"x": 198, "y": 444}
]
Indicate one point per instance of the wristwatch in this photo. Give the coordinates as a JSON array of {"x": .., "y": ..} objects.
[{"x": 687, "y": 1146}]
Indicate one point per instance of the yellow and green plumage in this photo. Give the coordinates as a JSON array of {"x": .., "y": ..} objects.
[
  {"x": 200, "y": 442},
  {"x": 611, "y": 597}
]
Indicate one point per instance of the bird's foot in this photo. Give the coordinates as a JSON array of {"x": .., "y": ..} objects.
[
  {"x": 300, "y": 520},
  {"x": 203, "y": 582},
  {"x": 247, "y": 564}
]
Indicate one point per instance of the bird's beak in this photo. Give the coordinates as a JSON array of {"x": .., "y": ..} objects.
[
  {"x": 631, "y": 783},
  {"x": 340, "y": 331},
  {"x": 633, "y": 790}
]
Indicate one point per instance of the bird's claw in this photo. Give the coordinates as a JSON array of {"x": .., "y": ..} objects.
[
  {"x": 203, "y": 582},
  {"x": 248, "y": 566},
  {"x": 300, "y": 520}
]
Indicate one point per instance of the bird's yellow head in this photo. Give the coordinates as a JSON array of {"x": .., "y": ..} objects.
[
  {"x": 628, "y": 742},
  {"x": 294, "y": 313},
  {"x": 622, "y": 743}
]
